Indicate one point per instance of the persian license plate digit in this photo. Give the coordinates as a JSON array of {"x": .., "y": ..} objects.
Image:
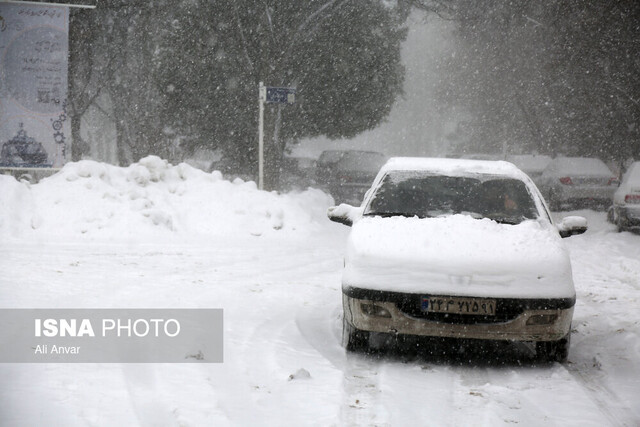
[{"x": 458, "y": 305}]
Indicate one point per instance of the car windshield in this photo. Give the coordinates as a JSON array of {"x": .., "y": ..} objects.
[
  {"x": 402, "y": 193},
  {"x": 330, "y": 156}
]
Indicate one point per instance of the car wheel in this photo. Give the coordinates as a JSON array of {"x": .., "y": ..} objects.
[
  {"x": 553, "y": 351},
  {"x": 354, "y": 339},
  {"x": 611, "y": 215}
]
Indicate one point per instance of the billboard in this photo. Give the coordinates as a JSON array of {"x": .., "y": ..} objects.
[{"x": 34, "y": 125}]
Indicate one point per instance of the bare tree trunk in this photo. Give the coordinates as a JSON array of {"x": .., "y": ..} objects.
[
  {"x": 79, "y": 146},
  {"x": 120, "y": 140}
]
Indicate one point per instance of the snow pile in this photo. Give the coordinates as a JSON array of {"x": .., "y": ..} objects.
[{"x": 151, "y": 197}]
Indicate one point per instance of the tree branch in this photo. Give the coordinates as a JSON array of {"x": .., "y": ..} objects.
[
  {"x": 301, "y": 27},
  {"x": 443, "y": 8},
  {"x": 244, "y": 40},
  {"x": 635, "y": 101},
  {"x": 266, "y": 9}
]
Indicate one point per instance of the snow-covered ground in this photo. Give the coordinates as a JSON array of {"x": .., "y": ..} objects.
[{"x": 160, "y": 236}]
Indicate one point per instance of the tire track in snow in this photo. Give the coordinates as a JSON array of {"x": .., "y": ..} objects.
[
  {"x": 361, "y": 403},
  {"x": 614, "y": 282},
  {"x": 470, "y": 401},
  {"x": 361, "y": 395},
  {"x": 605, "y": 399}
]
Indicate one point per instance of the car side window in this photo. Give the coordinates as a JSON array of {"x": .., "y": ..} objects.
[{"x": 508, "y": 198}]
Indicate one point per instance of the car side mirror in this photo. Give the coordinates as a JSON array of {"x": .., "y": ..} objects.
[
  {"x": 344, "y": 214},
  {"x": 572, "y": 225}
]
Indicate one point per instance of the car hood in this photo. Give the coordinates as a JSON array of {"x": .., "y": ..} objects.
[{"x": 458, "y": 255}]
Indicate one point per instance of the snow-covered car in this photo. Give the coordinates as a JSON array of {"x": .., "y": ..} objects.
[
  {"x": 625, "y": 211},
  {"x": 531, "y": 164},
  {"x": 456, "y": 248},
  {"x": 576, "y": 182}
]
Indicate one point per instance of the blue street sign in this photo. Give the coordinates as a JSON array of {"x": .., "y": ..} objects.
[{"x": 280, "y": 95}]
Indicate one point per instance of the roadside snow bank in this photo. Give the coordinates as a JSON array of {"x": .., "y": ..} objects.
[{"x": 151, "y": 197}]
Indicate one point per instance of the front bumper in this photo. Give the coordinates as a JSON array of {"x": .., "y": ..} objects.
[{"x": 517, "y": 327}]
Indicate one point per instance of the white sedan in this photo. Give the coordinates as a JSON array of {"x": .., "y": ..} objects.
[
  {"x": 577, "y": 182},
  {"x": 456, "y": 248},
  {"x": 625, "y": 212}
]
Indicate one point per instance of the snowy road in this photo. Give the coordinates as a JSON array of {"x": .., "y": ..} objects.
[{"x": 281, "y": 301}]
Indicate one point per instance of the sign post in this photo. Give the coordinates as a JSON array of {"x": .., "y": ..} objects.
[
  {"x": 269, "y": 95},
  {"x": 261, "y": 99}
]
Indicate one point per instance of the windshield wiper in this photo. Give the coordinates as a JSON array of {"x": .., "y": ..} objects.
[
  {"x": 384, "y": 214},
  {"x": 391, "y": 214},
  {"x": 506, "y": 220}
]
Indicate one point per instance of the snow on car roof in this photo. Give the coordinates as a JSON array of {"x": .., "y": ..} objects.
[
  {"x": 633, "y": 174},
  {"x": 579, "y": 165},
  {"x": 453, "y": 167},
  {"x": 530, "y": 162}
]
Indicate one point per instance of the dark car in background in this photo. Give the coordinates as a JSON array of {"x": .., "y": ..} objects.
[
  {"x": 625, "y": 212},
  {"x": 297, "y": 173},
  {"x": 324, "y": 165},
  {"x": 348, "y": 174},
  {"x": 578, "y": 182}
]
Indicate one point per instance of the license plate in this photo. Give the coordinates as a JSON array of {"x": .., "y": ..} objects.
[
  {"x": 457, "y": 305},
  {"x": 590, "y": 181}
]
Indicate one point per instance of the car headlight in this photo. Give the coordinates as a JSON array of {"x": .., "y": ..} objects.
[
  {"x": 374, "y": 310},
  {"x": 542, "y": 319}
]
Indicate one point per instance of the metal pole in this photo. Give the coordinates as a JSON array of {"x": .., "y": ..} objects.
[{"x": 261, "y": 98}]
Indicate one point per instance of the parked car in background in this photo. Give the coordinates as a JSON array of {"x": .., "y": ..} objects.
[
  {"x": 459, "y": 249},
  {"x": 297, "y": 173},
  {"x": 531, "y": 164},
  {"x": 482, "y": 156},
  {"x": 324, "y": 166},
  {"x": 578, "y": 182},
  {"x": 625, "y": 211},
  {"x": 348, "y": 174}
]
